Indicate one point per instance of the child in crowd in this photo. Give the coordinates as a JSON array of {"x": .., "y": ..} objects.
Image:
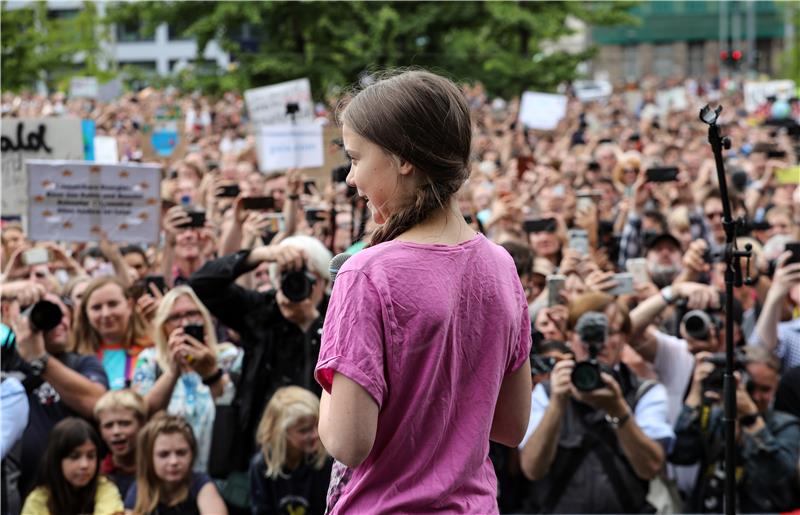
[
  {"x": 291, "y": 472},
  {"x": 165, "y": 483},
  {"x": 120, "y": 414},
  {"x": 69, "y": 480}
]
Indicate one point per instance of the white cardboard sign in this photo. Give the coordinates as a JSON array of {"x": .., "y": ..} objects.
[
  {"x": 267, "y": 105},
  {"x": 290, "y": 146},
  {"x": 672, "y": 100},
  {"x": 542, "y": 110},
  {"x": 756, "y": 93},
  {"x": 105, "y": 149},
  {"x": 33, "y": 138},
  {"x": 84, "y": 87},
  {"x": 77, "y": 200}
]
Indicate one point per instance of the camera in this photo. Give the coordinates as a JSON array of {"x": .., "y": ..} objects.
[
  {"x": 297, "y": 285},
  {"x": 698, "y": 323},
  {"x": 714, "y": 381},
  {"x": 43, "y": 315},
  {"x": 592, "y": 328}
]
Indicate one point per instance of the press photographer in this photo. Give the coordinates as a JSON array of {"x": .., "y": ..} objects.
[
  {"x": 280, "y": 329},
  {"x": 595, "y": 422},
  {"x": 768, "y": 441},
  {"x": 60, "y": 383}
]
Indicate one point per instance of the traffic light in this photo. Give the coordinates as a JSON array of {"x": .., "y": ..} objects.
[{"x": 732, "y": 59}]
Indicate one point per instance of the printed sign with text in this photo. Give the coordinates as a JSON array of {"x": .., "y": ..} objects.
[
  {"x": 268, "y": 105},
  {"x": 34, "y": 138},
  {"x": 542, "y": 110},
  {"x": 290, "y": 146},
  {"x": 78, "y": 200}
]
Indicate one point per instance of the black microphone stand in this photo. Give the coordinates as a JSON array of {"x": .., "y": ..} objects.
[{"x": 733, "y": 277}]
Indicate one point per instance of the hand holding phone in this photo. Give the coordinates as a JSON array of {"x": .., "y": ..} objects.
[
  {"x": 555, "y": 283},
  {"x": 540, "y": 225},
  {"x": 196, "y": 331},
  {"x": 258, "y": 203},
  {"x": 662, "y": 174},
  {"x": 36, "y": 256},
  {"x": 624, "y": 285},
  {"x": 579, "y": 241}
]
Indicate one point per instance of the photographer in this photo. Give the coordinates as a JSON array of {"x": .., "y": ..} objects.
[
  {"x": 613, "y": 436},
  {"x": 280, "y": 336},
  {"x": 781, "y": 338},
  {"x": 60, "y": 383},
  {"x": 768, "y": 441}
]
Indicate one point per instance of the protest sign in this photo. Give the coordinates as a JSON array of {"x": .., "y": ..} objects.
[
  {"x": 105, "y": 149},
  {"x": 33, "y": 138},
  {"x": 268, "y": 105},
  {"x": 110, "y": 91},
  {"x": 542, "y": 110},
  {"x": 672, "y": 100},
  {"x": 164, "y": 138},
  {"x": 588, "y": 90},
  {"x": 83, "y": 87},
  {"x": 756, "y": 93},
  {"x": 78, "y": 200},
  {"x": 290, "y": 146}
]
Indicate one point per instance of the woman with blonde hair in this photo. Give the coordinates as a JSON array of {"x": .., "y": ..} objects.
[
  {"x": 165, "y": 483},
  {"x": 291, "y": 472},
  {"x": 625, "y": 172},
  {"x": 187, "y": 370},
  {"x": 108, "y": 326}
]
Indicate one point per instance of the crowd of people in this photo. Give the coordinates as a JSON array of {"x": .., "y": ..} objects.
[{"x": 179, "y": 377}]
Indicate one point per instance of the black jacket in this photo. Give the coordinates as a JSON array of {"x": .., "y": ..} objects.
[{"x": 276, "y": 351}]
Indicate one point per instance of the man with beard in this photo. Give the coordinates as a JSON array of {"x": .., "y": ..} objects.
[{"x": 663, "y": 254}]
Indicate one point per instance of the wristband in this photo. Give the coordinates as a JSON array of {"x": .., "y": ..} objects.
[
  {"x": 213, "y": 378},
  {"x": 667, "y": 295},
  {"x": 618, "y": 422}
]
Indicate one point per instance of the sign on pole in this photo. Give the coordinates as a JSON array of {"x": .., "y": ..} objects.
[
  {"x": 33, "y": 138},
  {"x": 290, "y": 146},
  {"x": 268, "y": 105},
  {"x": 84, "y": 87},
  {"x": 756, "y": 93},
  {"x": 78, "y": 200},
  {"x": 542, "y": 110}
]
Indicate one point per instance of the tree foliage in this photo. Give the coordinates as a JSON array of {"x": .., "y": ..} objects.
[
  {"x": 334, "y": 43},
  {"x": 37, "y": 46}
]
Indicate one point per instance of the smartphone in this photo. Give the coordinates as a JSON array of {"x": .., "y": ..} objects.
[
  {"x": 196, "y": 331},
  {"x": 794, "y": 248},
  {"x": 258, "y": 203},
  {"x": 198, "y": 219},
  {"x": 158, "y": 281},
  {"x": 555, "y": 283},
  {"x": 662, "y": 174},
  {"x": 624, "y": 284},
  {"x": 638, "y": 269},
  {"x": 776, "y": 154},
  {"x": 540, "y": 225},
  {"x": 313, "y": 216},
  {"x": 36, "y": 256},
  {"x": 579, "y": 240},
  {"x": 309, "y": 187},
  {"x": 231, "y": 190}
]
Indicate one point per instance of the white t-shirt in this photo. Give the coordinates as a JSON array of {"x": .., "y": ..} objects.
[{"x": 674, "y": 365}]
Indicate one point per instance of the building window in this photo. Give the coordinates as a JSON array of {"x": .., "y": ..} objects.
[
  {"x": 175, "y": 34},
  {"x": 132, "y": 32},
  {"x": 697, "y": 66},
  {"x": 630, "y": 62},
  {"x": 62, "y": 14},
  {"x": 662, "y": 60},
  {"x": 144, "y": 65}
]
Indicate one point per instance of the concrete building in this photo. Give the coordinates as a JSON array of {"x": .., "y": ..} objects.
[{"x": 687, "y": 38}]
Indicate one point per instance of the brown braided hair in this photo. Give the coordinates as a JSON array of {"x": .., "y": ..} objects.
[{"x": 423, "y": 119}]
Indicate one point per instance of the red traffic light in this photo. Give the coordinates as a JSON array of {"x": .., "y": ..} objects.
[
  {"x": 737, "y": 54},
  {"x": 723, "y": 55}
]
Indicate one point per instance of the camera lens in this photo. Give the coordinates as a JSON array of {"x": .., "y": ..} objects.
[
  {"x": 44, "y": 315},
  {"x": 586, "y": 376},
  {"x": 697, "y": 323},
  {"x": 297, "y": 285}
]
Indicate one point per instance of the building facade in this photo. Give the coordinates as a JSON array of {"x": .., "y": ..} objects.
[{"x": 695, "y": 38}]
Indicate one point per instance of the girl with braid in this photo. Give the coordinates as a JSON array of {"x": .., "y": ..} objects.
[{"x": 425, "y": 346}]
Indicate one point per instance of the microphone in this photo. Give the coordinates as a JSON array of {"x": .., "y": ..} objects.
[
  {"x": 592, "y": 328},
  {"x": 336, "y": 263}
]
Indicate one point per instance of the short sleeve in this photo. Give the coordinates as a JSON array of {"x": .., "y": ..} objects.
[
  {"x": 107, "y": 499},
  {"x": 354, "y": 335},
  {"x": 144, "y": 376},
  {"x": 539, "y": 403},
  {"x": 91, "y": 368},
  {"x": 198, "y": 482},
  {"x": 523, "y": 344},
  {"x": 651, "y": 416}
]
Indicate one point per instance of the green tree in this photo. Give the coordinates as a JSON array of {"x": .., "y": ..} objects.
[
  {"x": 333, "y": 43},
  {"x": 38, "y": 46}
]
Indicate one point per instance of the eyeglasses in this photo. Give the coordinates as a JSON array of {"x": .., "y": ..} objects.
[{"x": 192, "y": 316}]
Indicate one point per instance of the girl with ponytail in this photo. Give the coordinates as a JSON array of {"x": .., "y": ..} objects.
[{"x": 425, "y": 347}]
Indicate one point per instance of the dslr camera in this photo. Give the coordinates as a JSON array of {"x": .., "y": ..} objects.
[
  {"x": 592, "y": 328},
  {"x": 715, "y": 380},
  {"x": 296, "y": 285}
]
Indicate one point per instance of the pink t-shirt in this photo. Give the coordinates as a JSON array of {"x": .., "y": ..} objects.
[{"x": 430, "y": 331}]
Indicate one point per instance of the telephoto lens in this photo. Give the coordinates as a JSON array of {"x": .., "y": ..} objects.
[
  {"x": 44, "y": 315},
  {"x": 586, "y": 376},
  {"x": 297, "y": 285},
  {"x": 697, "y": 323}
]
